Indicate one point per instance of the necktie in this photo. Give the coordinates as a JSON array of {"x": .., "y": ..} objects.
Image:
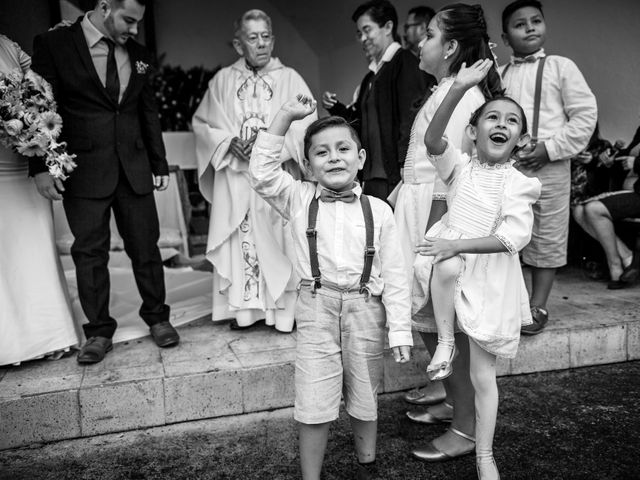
[
  {"x": 112, "y": 83},
  {"x": 331, "y": 196},
  {"x": 527, "y": 59}
]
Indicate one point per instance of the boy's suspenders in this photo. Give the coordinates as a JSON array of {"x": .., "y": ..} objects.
[
  {"x": 536, "y": 98},
  {"x": 312, "y": 238}
]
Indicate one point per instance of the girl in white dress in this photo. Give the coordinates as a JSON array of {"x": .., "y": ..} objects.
[
  {"x": 35, "y": 313},
  {"x": 468, "y": 261},
  {"x": 456, "y": 34}
]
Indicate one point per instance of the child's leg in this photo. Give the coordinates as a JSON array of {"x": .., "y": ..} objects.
[
  {"x": 364, "y": 436},
  {"x": 313, "y": 442},
  {"x": 483, "y": 377},
  {"x": 442, "y": 295}
]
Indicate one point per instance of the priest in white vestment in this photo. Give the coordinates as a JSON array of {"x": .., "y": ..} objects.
[{"x": 248, "y": 244}]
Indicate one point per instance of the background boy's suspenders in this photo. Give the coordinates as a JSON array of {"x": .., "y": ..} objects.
[
  {"x": 312, "y": 238},
  {"x": 536, "y": 98}
]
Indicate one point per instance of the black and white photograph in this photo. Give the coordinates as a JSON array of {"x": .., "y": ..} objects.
[{"x": 319, "y": 240}]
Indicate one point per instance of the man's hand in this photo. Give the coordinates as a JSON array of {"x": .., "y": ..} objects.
[
  {"x": 439, "y": 248},
  {"x": 401, "y": 354},
  {"x": 48, "y": 186},
  {"x": 473, "y": 75},
  {"x": 237, "y": 149},
  {"x": 533, "y": 158},
  {"x": 161, "y": 182},
  {"x": 329, "y": 100}
]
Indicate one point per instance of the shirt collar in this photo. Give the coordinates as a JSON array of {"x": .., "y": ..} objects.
[
  {"x": 386, "y": 57},
  {"x": 539, "y": 54},
  {"x": 91, "y": 33},
  {"x": 357, "y": 189}
]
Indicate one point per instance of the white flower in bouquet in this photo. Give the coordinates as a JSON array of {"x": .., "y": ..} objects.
[
  {"x": 13, "y": 127},
  {"x": 51, "y": 124},
  {"x": 29, "y": 123},
  {"x": 35, "y": 147}
]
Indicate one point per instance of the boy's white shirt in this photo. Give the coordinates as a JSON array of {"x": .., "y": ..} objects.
[
  {"x": 341, "y": 236},
  {"x": 568, "y": 109}
]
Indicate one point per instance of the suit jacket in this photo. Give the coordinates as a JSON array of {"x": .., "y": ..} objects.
[
  {"x": 399, "y": 85},
  {"x": 103, "y": 134}
]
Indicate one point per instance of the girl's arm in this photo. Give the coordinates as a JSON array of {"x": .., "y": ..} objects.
[
  {"x": 442, "y": 249},
  {"x": 465, "y": 79}
]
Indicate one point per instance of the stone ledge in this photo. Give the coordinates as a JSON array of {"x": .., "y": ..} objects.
[{"x": 216, "y": 372}]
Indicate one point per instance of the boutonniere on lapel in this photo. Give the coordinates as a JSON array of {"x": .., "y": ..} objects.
[{"x": 141, "y": 67}]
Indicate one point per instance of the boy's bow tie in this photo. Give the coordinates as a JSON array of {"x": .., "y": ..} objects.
[
  {"x": 527, "y": 59},
  {"x": 331, "y": 196}
]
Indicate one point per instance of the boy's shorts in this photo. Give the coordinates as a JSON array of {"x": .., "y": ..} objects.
[
  {"x": 339, "y": 352},
  {"x": 548, "y": 245}
]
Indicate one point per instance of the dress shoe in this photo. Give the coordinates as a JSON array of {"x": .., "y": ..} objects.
[
  {"x": 429, "y": 418},
  {"x": 431, "y": 454},
  {"x": 164, "y": 334},
  {"x": 418, "y": 396},
  {"x": 630, "y": 274},
  {"x": 540, "y": 318},
  {"x": 442, "y": 370},
  {"x": 94, "y": 350}
]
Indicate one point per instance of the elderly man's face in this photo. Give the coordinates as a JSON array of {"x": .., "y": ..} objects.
[{"x": 255, "y": 43}]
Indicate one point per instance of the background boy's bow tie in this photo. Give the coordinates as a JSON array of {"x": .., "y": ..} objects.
[
  {"x": 331, "y": 196},
  {"x": 527, "y": 59}
]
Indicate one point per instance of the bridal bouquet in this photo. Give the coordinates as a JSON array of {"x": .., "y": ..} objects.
[{"x": 29, "y": 123}]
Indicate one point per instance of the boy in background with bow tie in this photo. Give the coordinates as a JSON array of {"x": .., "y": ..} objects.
[
  {"x": 353, "y": 282},
  {"x": 556, "y": 98}
]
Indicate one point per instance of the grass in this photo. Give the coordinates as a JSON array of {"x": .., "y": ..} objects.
[{"x": 574, "y": 424}]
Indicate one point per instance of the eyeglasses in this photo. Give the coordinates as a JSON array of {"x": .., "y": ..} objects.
[
  {"x": 407, "y": 26},
  {"x": 253, "y": 38}
]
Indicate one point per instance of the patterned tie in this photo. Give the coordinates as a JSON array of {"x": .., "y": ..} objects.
[
  {"x": 112, "y": 83},
  {"x": 331, "y": 196},
  {"x": 527, "y": 59}
]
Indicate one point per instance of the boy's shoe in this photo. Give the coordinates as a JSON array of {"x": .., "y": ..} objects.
[{"x": 540, "y": 318}]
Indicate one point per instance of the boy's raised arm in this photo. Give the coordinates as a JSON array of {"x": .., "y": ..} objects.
[
  {"x": 295, "y": 109},
  {"x": 465, "y": 79}
]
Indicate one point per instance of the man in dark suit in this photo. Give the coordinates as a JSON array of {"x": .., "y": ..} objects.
[{"x": 100, "y": 80}]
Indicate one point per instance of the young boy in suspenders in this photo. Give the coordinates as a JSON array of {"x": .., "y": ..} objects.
[
  {"x": 353, "y": 282},
  {"x": 562, "y": 112}
]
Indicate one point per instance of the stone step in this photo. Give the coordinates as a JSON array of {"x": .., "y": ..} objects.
[{"x": 217, "y": 372}]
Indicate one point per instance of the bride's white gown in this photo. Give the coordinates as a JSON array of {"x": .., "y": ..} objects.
[{"x": 35, "y": 313}]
